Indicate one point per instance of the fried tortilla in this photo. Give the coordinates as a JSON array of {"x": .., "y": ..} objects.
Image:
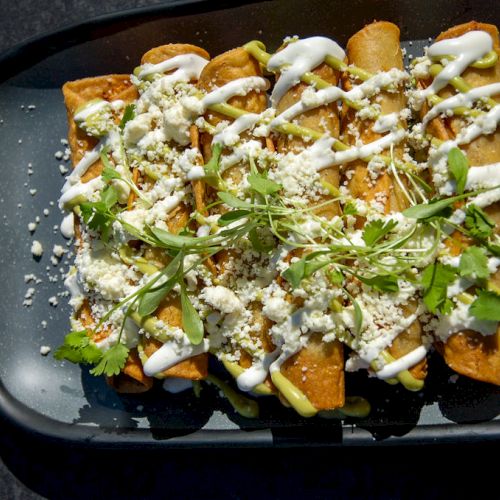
[
  {"x": 317, "y": 369},
  {"x": 377, "y": 48},
  {"x": 470, "y": 353}
]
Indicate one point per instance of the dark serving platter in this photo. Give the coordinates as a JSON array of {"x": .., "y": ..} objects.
[{"x": 60, "y": 401}]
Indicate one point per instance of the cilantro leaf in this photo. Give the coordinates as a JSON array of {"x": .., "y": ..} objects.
[
  {"x": 78, "y": 348},
  {"x": 459, "y": 167},
  {"x": 486, "y": 306},
  {"x": 376, "y": 230},
  {"x": 477, "y": 222},
  {"x": 260, "y": 243},
  {"x": 98, "y": 217},
  {"x": 336, "y": 277},
  {"x": 65, "y": 352},
  {"x": 262, "y": 185},
  {"x": 494, "y": 249},
  {"x": 191, "y": 321},
  {"x": 295, "y": 273},
  {"x": 112, "y": 361},
  {"x": 212, "y": 167},
  {"x": 109, "y": 196},
  {"x": 77, "y": 339},
  {"x": 109, "y": 174},
  {"x": 435, "y": 280},
  {"x": 304, "y": 268},
  {"x": 350, "y": 208},
  {"x": 128, "y": 115},
  {"x": 105, "y": 160},
  {"x": 474, "y": 263},
  {"x": 383, "y": 283}
]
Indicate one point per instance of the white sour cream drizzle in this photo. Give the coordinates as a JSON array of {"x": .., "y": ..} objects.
[
  {"x": 321, "y": 151},
  {"x": 73, "y": 287},
  {"x": 385, "y": 123},
  {"x": 231, "y": 134},
  {"x": 67, "y": 226},
  {"x": 188, "y": 67},
  {"x": 312, "y": 100},
  {"x": 293, "y": 329},
  {"x": 82, "y": 166},
  {"x": 172, "y": 353},
  {"x": 81, "y": 189},
  {"x": 372, "y": 349},
  {"x": 90, "y": 110},
  {"x": 484, "y": 124},
  {"x": 487, "y": 176},
  {"x": 459, "y": 320},
  {"x": 372, "y": 148},
  {"x": 240, "y": 86},
  {"x": 466, "y": 48},
  {"x": 257, "y": 373},
  {"x": 403, "y": 363},
  {"x": 319, "y": 48},
  {"x": 466, "y": 99},
  {"x": 298, "y": 58}
]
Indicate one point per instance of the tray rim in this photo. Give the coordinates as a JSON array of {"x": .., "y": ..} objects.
[
  {"x": 45, "y": 43},
  {"x": 40, "y": 426},
  {"x": 46, "y": 428}
]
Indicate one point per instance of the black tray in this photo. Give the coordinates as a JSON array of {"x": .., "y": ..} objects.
[{"x": 62, "y": 402}]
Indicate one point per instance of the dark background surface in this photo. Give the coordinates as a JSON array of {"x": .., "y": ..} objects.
[{"x": 31, "y": 468}]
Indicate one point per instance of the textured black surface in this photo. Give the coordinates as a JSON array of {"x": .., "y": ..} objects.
[{"x": 318, "y": 472}]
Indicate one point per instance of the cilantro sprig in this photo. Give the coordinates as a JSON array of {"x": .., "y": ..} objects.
[
  {"x": 474, "y": 263},
  {"x": 109, "y": 174},
  {"x": 79, "y": 348},
  {"x": 375, "y": 230},
  {"x": 128, "y": 114},
  {"x": 478, "y": 224},
  {"x": 112, "y": 361},
  {"x": 99, "y": 215},
  {"x": 435, "y": 281},
  {"x": 486, "y": 306}
]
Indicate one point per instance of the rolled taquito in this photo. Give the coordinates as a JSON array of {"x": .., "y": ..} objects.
[
  {"x": 76, "y": 94},
  {"x": 469, "y": 352},
  {"x": 317, "y": 370},
  {"x": 170, "y": 310},
  {"x": 376, "y": 48},
  {"x": 221, "y": 70}
]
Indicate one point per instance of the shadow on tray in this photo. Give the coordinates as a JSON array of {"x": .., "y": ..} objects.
[
  {"x": 165, "y": 415},
  {"x": 395, "y": 411}
]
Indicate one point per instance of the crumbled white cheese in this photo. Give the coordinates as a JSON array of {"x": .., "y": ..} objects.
[
  {"x": 58, "y": 251},
  {"x": 36, "y": 248},
  {"x": 221, "y": 298},
  {"x": 44, "y": 350}
]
